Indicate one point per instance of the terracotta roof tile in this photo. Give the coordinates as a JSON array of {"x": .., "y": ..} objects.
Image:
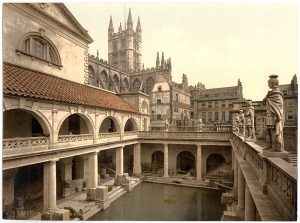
[{"x": 20, "y": 81}]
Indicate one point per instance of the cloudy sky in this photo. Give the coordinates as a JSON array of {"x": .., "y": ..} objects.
[{"x": 213, "y": 43}]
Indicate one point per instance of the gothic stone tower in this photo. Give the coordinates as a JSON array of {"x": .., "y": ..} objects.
[{"x": 124, "y": 47}]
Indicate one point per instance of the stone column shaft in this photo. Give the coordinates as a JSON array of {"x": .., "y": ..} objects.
[
  {"x": 166, "y": 161},
  {"x": 93, "y": 170},
  {"x": 50, "y": 185},
  {"x": 199, "y": 163},
  {"x": 137, "y": 170},
  {"x": 119, "y": 161},
  {"x": 240, "y": 211},
  {"x": 250, "y": 214}
]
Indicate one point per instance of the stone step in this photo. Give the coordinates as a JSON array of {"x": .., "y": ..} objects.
[{"x": 116, "y": 194}]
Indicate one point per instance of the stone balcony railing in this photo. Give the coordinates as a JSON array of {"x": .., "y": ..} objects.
[
  {"x": 276, "y": 177},
  {"x": 73, "y": 140},
  {"x": 13, "y": 146}
]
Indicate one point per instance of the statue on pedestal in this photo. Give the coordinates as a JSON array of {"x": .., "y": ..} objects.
[
  {"x": 249, "y": 121},
  {"x": 274, "y": 116},
  {"x": 166, "y": 122},
  {"x": 241, "y": 123},
  {"x": 199, "y": 125}
]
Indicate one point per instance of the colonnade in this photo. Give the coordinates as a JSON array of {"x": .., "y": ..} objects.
[
  {"x": 90, "y": 172},
  {"x": 246, "y": 209}
]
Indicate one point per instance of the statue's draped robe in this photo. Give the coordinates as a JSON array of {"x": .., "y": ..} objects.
[{"x": 274, "y": 102}]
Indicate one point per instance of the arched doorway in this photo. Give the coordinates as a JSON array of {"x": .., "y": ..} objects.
[
  {"x": 186, "y": 161},
  {"x": 157, "y": 160},
  {"x": 214, "y": 161}
]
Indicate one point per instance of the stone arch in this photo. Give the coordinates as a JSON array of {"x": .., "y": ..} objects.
[
  {"x": 104, "y": 79},
  {"x": 157, "y": 159},
  {"x": 87, "y": 120},
  {"x": 109, "y": 124},
  {"x": 41, "y": 119},
  {"x": 136, "y": 85},
  {"x": 186, "y": 161},
  {"x": 130, "y": 125},
  {"x": 149, "y": 85},
  {"x": 214, "y": 161}
]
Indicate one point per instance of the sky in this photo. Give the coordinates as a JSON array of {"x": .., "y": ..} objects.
[{"x": 212, "y": 43}]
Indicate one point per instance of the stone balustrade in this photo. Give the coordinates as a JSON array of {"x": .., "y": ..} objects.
[
  {"x": 130, "y": 133},
  {"x": 14, "y": 146},
  {"x": 109, "y": 135},
  {"x": 276, "y": 178},
  {"x": 74, "y": 138}
]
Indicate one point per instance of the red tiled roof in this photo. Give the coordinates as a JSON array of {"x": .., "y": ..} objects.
[{"x": 20, "y": 81}]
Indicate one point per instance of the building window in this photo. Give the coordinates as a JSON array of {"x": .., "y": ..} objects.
[
  {"x": 210, "y": 104},
  {"x": 217, "y": 116},
  {"x": 203, "y": 104},
  {"x": 216, "y": 104},
  {"x": 289, "y": 103},
  {"x": 223, "y": 104},
  {"x": 39, "y": 47},
  {"x": 177, "y": 98},
  {"x": 159, "y": 88},
  {"x": 175, "y": 109},
  {"x": 203, "y": 116},
  {"x": 123, "y": 43},
  {"x": 159, "y": 117},
  {"x": 223, "y": 115},
  {"x": 290, "y": 115},
  {"x": 158, "y": 101},
  {"x": 209, "y": 116},
  {"x": 115, "y": 45}
]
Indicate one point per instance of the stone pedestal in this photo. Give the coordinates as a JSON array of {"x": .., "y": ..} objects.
[
  {"x": 199, "y": 163},
  {"x": 100, "y": 195},
  {"x": 166, "y": 161}
]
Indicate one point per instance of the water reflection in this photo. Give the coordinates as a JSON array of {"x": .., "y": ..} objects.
[{"x": 159, "y": 202}]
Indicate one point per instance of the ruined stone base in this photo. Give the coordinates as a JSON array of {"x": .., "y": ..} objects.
[
  {"x": 56, "y": 215},
  {"x": 124, "y": 181},
  {"x": 229, "y": 216}
]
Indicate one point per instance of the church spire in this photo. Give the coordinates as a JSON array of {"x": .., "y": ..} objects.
[
  {"x": 138, "y": 26},
  {"x": 120, "y": 28},
  {"x": 129, "y": 21},
  {"x": 111, "y": 26},
  {"x": 162, "y": 60},
  {"x": 157, "y": 60}
]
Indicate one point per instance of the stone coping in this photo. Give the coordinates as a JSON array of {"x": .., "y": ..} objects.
[{"x": 284, "y": 166}]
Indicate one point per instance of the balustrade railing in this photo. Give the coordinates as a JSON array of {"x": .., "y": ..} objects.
[
  {"x": 74, "y": 138},
  {"x": 278, "y": 175},
  {"x": 130, "y": 133},
  {"x": 105, "y": 135},
  {"x": 16, "y": 143}
]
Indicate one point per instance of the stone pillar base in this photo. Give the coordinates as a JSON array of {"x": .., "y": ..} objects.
[
  {"x": 240, "y": 212},
  {"x": 56, "y": 215},
  {"x": 124, "y": 181},
  {"x": 100, "y": 195}
]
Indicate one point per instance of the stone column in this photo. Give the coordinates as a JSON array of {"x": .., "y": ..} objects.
[
  {"x": 66, "y": 169},
  {"x": 50, "y": 185},
  {"x": 235, "y": 185},
  {"x": 250, "y": 214},
  {"x": 166, "y": 160},
  {"x": 137, "y": 170},
  {"x": 119, "y": 161},
  {"x": 199, "y": 163},
  {"x": 240, "y": 210},
  {"x": 93, "y": 170}
]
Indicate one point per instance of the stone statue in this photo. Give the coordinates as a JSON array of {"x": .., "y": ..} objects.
[
  {"x": 241, "y": 123},
  {"x": 249, "y": 121},
  {"x": 166, "y": 122},
  {"x": 199, "y": 125},
  {"x": 274, "y": 116},
  {"x": 236, "y": 124}
]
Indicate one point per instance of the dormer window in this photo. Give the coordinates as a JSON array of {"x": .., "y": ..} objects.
[{"x": 39, "y": 47}]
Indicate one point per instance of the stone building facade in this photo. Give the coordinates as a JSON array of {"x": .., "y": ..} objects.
[{"x": 215, "y": 105}]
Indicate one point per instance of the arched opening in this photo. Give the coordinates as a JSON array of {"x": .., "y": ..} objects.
[
  {"x": 74, "y": 125},
  {"x": 157, "y": 160},
  {"x": 21, "y": 123},
  {"x": 214, "y": 161},
  {"x": 136, "y": 85},
  {"x": 186, "y": 161},
  {"x": 126, "y": 84},
  {"x": 149, "y": 85},
  {"x": 91, "y": 79},
  {"x": 28, "y": 187},
  {"x": 104, "y": 79},
  {"x": 130, "y": 125},
  {"x": 109, "y": 124}
]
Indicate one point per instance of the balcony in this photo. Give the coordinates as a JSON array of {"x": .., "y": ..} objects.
[{"x": 74, "y": 140}]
